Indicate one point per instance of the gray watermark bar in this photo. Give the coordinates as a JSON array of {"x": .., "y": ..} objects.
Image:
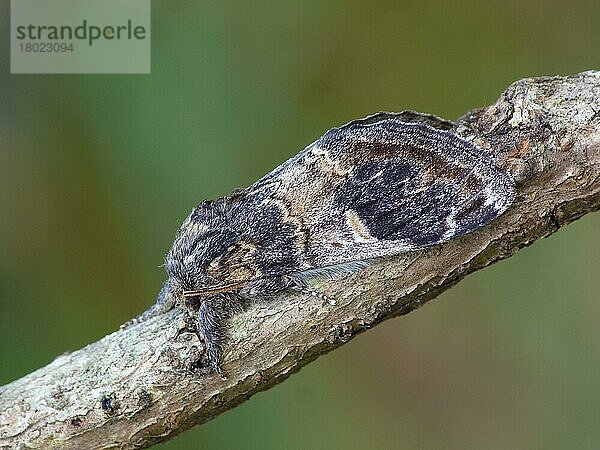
[{"x": 80, "y": 36}]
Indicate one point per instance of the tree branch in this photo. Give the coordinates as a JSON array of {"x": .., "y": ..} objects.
[{"x": 132, "y": 388}]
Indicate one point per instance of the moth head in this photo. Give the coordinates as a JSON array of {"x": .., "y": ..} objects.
[
  {"x": 202, "y": 237},
  {"x": 189, "y": 274},
  {"x": 206, "y": 256}
]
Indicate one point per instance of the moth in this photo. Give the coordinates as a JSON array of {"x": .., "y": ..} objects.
[{"x": 377, "y": 186}]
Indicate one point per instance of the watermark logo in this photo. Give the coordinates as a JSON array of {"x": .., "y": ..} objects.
[{"x": 80, "y": 36}]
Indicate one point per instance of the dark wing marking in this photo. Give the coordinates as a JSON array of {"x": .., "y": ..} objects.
[{"x": 373, "y": 187}]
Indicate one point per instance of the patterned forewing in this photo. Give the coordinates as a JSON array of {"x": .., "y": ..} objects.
[{"x": 380, "y": 186}]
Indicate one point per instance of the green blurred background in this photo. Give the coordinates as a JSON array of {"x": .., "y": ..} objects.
[{"x": 97, "y": 171}]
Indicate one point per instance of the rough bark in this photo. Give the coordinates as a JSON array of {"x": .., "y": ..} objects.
[{"x": 133, "y": 388}]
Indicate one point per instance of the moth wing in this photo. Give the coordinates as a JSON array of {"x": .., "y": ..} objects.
[{"x": 374, "y": 187}]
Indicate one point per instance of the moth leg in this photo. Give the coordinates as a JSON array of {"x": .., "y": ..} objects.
[
  {"x": 164, "y": 303},
  {"x": 210, "y": 326},
  {"x": 265, "y": 286},
  {"x": 271, "y": 286},
  {"x": 299, "y": 280},
  {"x": 319, "y": 295},
  {"x": 211, "y": 316},
  {"x": 300, "y": 285}
]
